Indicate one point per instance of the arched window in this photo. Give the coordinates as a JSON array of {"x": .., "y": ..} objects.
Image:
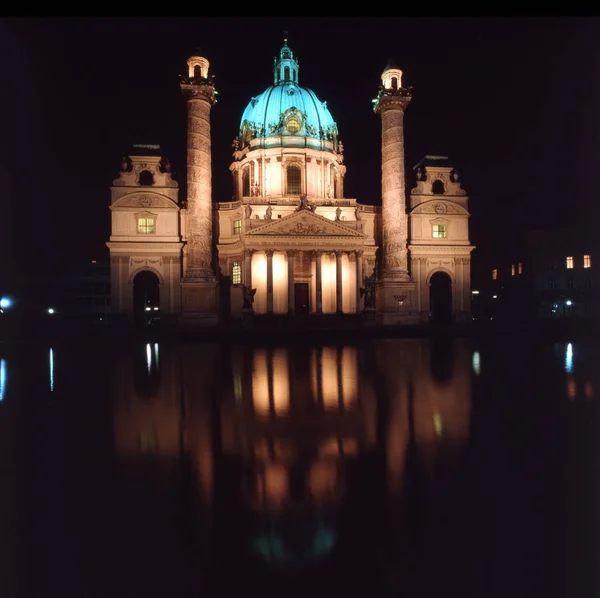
[
  {"x": 394, "y": 82},
  {"x": 236, "y": 273},
  {"x": 197, "y": 72},
  {"x": 246, "y": 182},
  {"x": 286, "y": 73},
  {"x": 293, "y": 124},
  {"x": 146, "y": 178},
  {"x": 437, "y": 188},
  {"x": 294, "y": 180}
]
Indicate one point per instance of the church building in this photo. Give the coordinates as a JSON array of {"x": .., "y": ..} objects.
[{"x": 289, "y": 241}]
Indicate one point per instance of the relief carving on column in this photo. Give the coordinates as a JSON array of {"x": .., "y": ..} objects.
[
  {"x": 393, "y": 209},
  {"x": 199, "y": 182}
]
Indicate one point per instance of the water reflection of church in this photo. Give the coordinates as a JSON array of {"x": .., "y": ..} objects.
[{"x": 278, "y": 429}]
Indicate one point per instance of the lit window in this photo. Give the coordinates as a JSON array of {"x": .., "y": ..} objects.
[
  {"x": 512, "y": 269},
  {"x": 520, "y": 268},
  {"x": 494, "y": 274},
  {"x": 569, "y": 262},
  {"x": 237, "y": 227},
  {"x": 145, "y": 225},
  {"x": 439, "y": 231},
  {"x": 236, "y": 273},
  {"x": 293, "y": 179},
  {"x": 587, "y": 261},
  {"x": 293, "y": 124}
]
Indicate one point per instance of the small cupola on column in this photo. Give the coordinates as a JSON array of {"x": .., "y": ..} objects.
[
  {"x": 197, "y": 67},
  {"x": 391, "y": 78},
  {"x": 286, "y": 66}
]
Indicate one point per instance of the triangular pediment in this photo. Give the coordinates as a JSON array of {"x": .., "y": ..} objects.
[{"x": 305, "y": 223}]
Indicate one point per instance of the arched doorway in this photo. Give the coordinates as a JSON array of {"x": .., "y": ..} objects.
[
  {"x": 440, "y": 298},
  {"x": 146, "y": 298}
]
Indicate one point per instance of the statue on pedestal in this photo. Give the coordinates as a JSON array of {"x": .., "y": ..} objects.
[
  {"x": 368, "y": 291},
  {"x": 248, "y": 295}
]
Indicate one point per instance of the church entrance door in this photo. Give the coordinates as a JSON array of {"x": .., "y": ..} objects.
[
  {"x": 440, "y": 297},
  {"x": 301, "y": 298},
  {"x": 146, "y": 298}
]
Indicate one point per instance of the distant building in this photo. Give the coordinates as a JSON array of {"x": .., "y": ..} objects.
[
  {"x": 289, "y": 241},
  {"x": 87, "y": 293},
  {"x": 546, "y": 273}
]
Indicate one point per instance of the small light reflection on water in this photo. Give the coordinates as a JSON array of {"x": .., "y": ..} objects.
[
  {"x": 149, "y": 357},
  {"x": 3, "y": 378},
  {"x": 476, "y": 363},
  {"x": 569, "y": 358},
  {"x": 51, "y": 368},
  {"x": 571, "y": 388}
]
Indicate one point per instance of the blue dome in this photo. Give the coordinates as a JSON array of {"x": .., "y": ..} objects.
[{"x": 287, "y": 109}]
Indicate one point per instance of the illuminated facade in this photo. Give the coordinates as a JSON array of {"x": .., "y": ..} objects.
[{"x": 289, "y": 232}]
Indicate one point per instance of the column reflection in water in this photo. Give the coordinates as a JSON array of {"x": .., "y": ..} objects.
[
  {"x": 334, "y": 377},
  {"x": 270, "y": 382},
  {"x": 428, "y": 390},
  {"x": 162, "y": 409}
]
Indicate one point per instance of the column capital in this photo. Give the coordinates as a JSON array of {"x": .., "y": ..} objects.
[
  {"x": 248, "y": 252},
  {"x": 202, "y": 91},
  {"x": 290, "y": 252},
  {"x": 358, "y": 252},
  {"x": 392, "y": 100},
  {"x": 316, "y": 253},
  {"x": 269, "y": 252},
  {"x": 339, "y": 253}
]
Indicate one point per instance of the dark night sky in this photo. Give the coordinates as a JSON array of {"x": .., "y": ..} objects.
[{"x": 512, "y": 101}]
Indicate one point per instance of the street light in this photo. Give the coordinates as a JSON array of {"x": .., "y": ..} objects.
[
  {"x": 5, "y": 302},
  {"x": 51, "y": 310},
  {"x": 569, "y": 302}
]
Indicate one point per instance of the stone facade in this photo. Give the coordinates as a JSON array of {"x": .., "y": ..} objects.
[
  {"x": 145, "y": 233},
  {"x": 439, "y": 236},
  {"x": 289, "y": 241}
]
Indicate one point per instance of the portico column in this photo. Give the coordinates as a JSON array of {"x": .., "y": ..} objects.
[
  {"x": 319, "y": 292},
  {"x": 291, "y": 298},
  {"x": 359, "y": 279},
  {"x": 269, "y": 254},
  {"x": 338, "y": 281},
  {"x": 248, "y": 267}
]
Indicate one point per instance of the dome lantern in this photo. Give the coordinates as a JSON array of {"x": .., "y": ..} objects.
[{"x": 286, "y": 67}]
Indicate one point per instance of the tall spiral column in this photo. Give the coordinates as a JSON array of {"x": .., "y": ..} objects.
[
  {"x": 199, "y": 93},
  {"x": 199, "y": 282},
  {"x": 395, "y": 290},
  {"x": 391, "y": 104}
]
